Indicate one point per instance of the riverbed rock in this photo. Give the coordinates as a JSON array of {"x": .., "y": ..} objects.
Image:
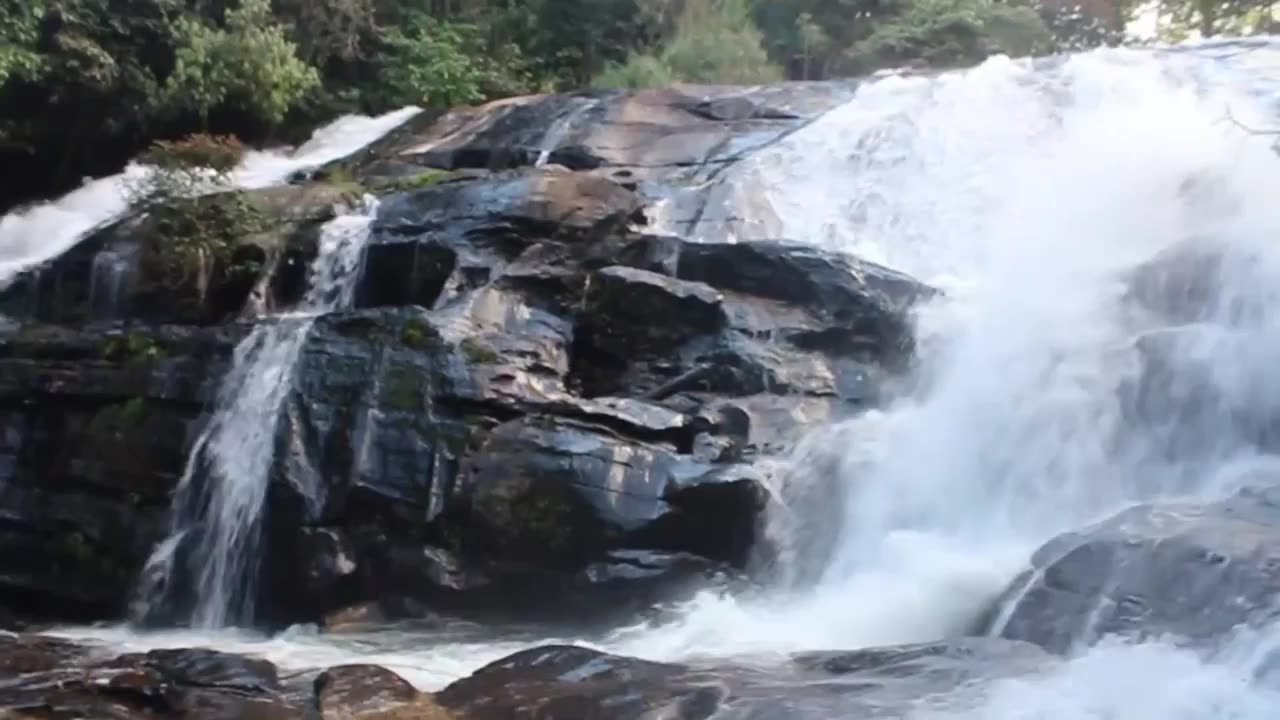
[
  {"x": 45, "y": 677},
  {"x": 554, "y": 682},
  {"x": 1191, "y": 571},
  {"x": 370, "y": 692}
]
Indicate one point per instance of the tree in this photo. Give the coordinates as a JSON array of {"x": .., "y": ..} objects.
[
  {"x": 250, "y": 62},
  {"x": 1179, "y": 19}
]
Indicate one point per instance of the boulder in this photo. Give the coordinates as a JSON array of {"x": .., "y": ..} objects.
[
  {"x": 1193, "y": 571},
  {"x": 515, "y": 207},
  {"x": 556, "y": 682},
  {"x": 370, "y": 692},
  {"x": 629, "y": 310}
]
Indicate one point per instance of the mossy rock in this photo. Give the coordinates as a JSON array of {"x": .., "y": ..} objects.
[{"x": 478, "y": 352}]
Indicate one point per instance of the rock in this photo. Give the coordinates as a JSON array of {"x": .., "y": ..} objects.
[
  {"x": 58, "y": 679},
  {"x": 557, "y": 492},
  {"x": 95, "y": 424},
  {"x": 118, "y": 271},
  {"x": 627, "y": 309},
  {"x": 555, "y": 682},
  {"x": 867, "y": 302},
  {"x": 549, "y": 203},
  {"x": 369, "y": 692},
  {"x": 1193, "y": 571}
]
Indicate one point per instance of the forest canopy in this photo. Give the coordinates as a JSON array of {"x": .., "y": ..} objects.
[{"x": 84, "y": 84}]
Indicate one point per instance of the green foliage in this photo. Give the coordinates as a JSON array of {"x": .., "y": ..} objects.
[
  {"x": 639, "y": 71},
  {"x": 1180, "y": 19},
  {"x": 20, "y": 57},
  {"x": 431, "y": 62},
  {"x": 715, "y": 41},
  {"x": 250, "y": 62},
  {"x": 951, "y": 32},
  {"x": 131, "y": 347},
  {"x": 196, "y": 221}
]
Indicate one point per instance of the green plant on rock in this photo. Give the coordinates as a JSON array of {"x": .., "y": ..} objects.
[
  {"x": 416, "y": 334},
  {"x": 424, "y": 179},
  {"x": 196, "y": 218},
  {"x": 478, "y": 351},
  {"x": 130, "y": 347},
  {"x": 134, "y": 411}
]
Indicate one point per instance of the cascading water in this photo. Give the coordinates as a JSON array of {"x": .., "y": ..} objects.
[
  {"x": 1030, "y": 192},
  {"x": 31, "y": 236},
  {"x": 219, "y": 501}
]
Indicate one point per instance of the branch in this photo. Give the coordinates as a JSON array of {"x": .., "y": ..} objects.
[{"x": 1275, "y": 144}]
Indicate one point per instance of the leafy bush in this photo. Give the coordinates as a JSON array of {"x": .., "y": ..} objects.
[
  {"x": 195, "y": 217},
  {"x": 715, "y": 41},
  {"x": 251, "y": 63},
  {"x": 638, "y": 72}
]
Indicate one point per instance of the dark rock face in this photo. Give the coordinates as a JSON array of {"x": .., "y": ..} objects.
[
  {"x": 572, "y": 682},
  {"x": 95, "y": 424},
  {"x": 1191, "y": 571},
  {"x": 535, "y": 396}
]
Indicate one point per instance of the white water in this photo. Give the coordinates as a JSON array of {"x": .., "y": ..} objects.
[
  {"x": 219, "y": 500},
  {"x": 1026, "y": 193},
  {"x": 33, "y": 235}
]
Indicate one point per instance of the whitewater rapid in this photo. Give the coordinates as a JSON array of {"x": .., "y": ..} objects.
[{"x": 1026, "y": 190}]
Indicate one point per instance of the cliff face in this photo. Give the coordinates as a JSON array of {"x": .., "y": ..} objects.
[{"x": 543, "y": 390}]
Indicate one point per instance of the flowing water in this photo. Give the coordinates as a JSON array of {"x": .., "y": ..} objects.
[
  {"x": 219, "y": 500},
  {"x": 30, "y": 236},
  {"x": 1027, "y": 191}
]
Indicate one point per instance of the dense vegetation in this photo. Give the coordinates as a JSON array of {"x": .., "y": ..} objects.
[{"x": 84, "y": 84}]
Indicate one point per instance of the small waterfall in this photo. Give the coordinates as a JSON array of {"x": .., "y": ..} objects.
[
  {"x": 210, "y": 559},
  {"x": 560, "y": 128},
  {"x": 36, "y": 234},
  {"x": 107, "y": 281}
]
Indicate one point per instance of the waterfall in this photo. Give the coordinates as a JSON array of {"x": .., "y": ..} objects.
[
  {"x": 33, "y": 235},
  {"x": 1030, "y": 192},
  {"x": 218, "y": 504},
  {"x": 561, "y": 127}
]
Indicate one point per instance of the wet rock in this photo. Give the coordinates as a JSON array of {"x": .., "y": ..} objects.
[
  {"x": 369, "y": 692},
  {"x": 95, "y": 424},
  {"x": 865, "y": 301},
  {"x": 53, "y": 678},
  {"x": 628, "y": 309},
  {"x": 1193, "y": 571},
  {"x": 551, "y": 203},
  {"x": 559, "y": 492},
  {"x": 572, "y": 682}
]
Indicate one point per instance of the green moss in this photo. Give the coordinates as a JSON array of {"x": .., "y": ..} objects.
[
  {"x": 415, "y": 334},
  {"x": 131, "y": 347},
  {"x": 402, "y": 389},
  {"x": 424, "y": 179},
  {"x": 134, "y": 411},
  {"x": 478, "y": 352}
]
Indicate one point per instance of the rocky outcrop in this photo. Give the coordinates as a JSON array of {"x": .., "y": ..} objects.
[
  {"x": 1190, "y": 571},
  {"x": 94, "y": 429},
  {"x": 566, "y": 682},
  {"x": 537, "y": 394}
]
